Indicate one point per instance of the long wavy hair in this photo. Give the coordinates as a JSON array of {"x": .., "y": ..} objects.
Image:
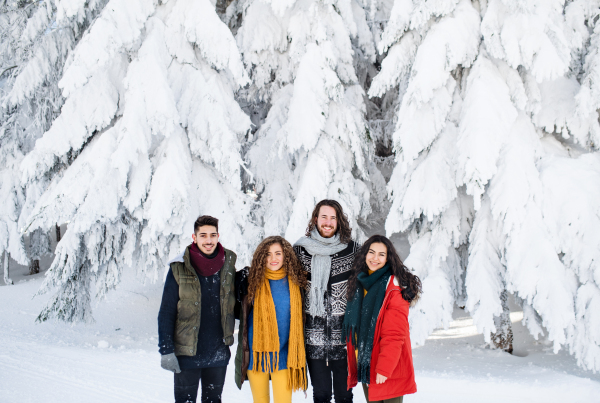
[
  {"x": 291, "y": 265},
  {"x": 343, "y": 226},
  {"x": 410, "y": 284}
]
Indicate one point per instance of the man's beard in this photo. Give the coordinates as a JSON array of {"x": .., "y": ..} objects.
[{"x": 322, "y": 233}]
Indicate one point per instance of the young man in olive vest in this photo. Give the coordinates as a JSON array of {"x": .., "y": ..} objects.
[
  {"x": 196, "y": 319},
  {"x": 327, "y": 253}
]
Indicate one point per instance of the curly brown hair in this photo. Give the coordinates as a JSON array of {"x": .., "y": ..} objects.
[
  {"x": 291, "y": 265},
  {"x": 343, "y": 226}
]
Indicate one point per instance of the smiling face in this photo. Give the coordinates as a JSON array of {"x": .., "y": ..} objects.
[
  {"x": 275, "y": 257},
  {"x": 327, "y": 221},
  {"x": 206, "y": 237},
  {"x": 377, "y": 256}
]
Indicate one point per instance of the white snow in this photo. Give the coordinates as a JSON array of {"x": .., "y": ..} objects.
[
  {"x": 128, "y": 119},
  {"x": 116, "y": 358}
]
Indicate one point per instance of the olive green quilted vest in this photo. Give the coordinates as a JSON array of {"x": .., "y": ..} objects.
[{"x": 189, "y": 305}]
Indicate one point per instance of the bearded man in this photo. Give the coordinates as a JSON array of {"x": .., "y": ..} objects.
[{"x": 327, "y": 253}]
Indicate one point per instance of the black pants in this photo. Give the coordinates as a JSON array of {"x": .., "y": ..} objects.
[
  {"x": 365, "y": 387},
  {"x": 187, "y": 381},
  {"x": 321, "y": 376}
]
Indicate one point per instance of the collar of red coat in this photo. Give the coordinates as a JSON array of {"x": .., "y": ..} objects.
[{"x": 393, "y": 283}]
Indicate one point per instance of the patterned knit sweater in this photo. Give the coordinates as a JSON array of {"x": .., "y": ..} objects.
[{"x": 324, "y": 335}]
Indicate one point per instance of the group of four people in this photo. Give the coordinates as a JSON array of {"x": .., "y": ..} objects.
[{"x": 326, "y": 305}]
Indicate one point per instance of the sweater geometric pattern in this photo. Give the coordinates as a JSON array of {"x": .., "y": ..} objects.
[{"x": 323, "y": 335}]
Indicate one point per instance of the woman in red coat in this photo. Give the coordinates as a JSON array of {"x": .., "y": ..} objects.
[{"x": 376, "y": 331}]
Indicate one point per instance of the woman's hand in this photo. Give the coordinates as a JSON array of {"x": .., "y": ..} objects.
[{"x": 380, "y": 379}]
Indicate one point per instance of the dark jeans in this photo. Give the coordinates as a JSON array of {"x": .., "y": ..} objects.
[
  {"x": 187, "y": 381},
  {"x": 321, "y": 376},
  {"x": 398, "y": 399}
]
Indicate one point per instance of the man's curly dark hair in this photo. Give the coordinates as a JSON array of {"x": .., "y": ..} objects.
[{"x": 291, "y": 265}]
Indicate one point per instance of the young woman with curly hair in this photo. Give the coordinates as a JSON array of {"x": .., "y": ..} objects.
[
  {"x": 375, "y": 328},
  {"x": 271, "y": 334}
]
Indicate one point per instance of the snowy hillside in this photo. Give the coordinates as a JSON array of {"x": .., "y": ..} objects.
[{"x": 116, "y": 358}]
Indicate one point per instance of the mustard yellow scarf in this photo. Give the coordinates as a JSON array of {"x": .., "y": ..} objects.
[{"x": 266, "y": 339}]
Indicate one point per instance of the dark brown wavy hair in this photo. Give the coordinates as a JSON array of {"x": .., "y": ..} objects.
[
  {"x": 411, "y": 284},
  {"x": 343, "y": 226},
  {"x": 291, "y": 265}
]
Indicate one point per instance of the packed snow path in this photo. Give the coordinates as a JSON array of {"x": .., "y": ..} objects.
[{"x": 115, "y": 359}]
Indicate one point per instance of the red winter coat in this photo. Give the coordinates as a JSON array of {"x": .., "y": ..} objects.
[{"x": 392, "y": 354}]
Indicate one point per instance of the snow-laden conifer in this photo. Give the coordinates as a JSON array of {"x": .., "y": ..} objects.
[
  {"x": 582, "y": 19},
  {"x": 571, "y": 212},
  {"x": 35, "y": 41},
  {"x": 313, "y": 143},
  {"x": 148, "y": 139},
  {"x": 483, "y": 129},
  {"x": 428, "y": 46}
]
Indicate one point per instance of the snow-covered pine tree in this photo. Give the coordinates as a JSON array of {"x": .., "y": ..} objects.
[
  {"x": 314, "y": 143},
  {"x": 492, "y": 141},
  {"x": 571, "y": 178},
  {"x": 148, "y": 139},
  {"x": 14, "y": 20},
  {"x": 35, "y": 39},
  {"x": 535, "y": 63},
  {"x": 428, "y": 44}
]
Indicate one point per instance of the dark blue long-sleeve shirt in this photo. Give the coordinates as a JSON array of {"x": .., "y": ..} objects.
[{"x": 211, "y": 350}]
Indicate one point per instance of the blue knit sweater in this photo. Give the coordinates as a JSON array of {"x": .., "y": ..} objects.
[{"x": 280, "y": 290}]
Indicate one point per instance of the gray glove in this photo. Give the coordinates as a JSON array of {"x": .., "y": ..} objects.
[{"x": 170, "y": 363}]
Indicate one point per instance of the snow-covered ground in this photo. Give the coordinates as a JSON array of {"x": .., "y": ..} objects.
[{"x": 115, "y": 359}]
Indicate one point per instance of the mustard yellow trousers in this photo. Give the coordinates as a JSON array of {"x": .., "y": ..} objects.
[{"x": 259, "y": 385}]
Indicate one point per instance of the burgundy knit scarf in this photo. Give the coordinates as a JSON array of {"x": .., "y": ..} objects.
[{"x": 202, "y": 264}]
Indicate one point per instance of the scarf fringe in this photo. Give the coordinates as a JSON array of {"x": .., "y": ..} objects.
[
  {"x": 263, "y": 361},
  {"x": 266, "y": 340},
  {"x": 318, "y": 307},
  {"x": 297, "y": 379},
  {"x": 351, "y": 324},
  {"x": 349, "y": 333}
]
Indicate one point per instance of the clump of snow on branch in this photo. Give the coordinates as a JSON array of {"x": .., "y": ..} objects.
[
  {"x": 493, "y": 122},
  {"x": 146, "y": 166},
  {"x": 313, "y": 143}
]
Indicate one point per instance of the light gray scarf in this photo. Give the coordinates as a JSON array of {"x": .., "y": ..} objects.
[{"x": 321, "y": 250}]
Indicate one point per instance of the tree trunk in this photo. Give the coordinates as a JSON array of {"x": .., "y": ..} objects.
[
  {"x": 222, "y": 5},
  {"x": 503, "y": 338},
  {"x": 7, "y": 279},
  {"x": 58, "y": 236},
  {"x": 34, "y": 267}
]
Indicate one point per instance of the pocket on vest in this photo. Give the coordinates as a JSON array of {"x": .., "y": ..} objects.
[
  {"x": 189, "y": 288},
  {"x": 188, "y": 317}
]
